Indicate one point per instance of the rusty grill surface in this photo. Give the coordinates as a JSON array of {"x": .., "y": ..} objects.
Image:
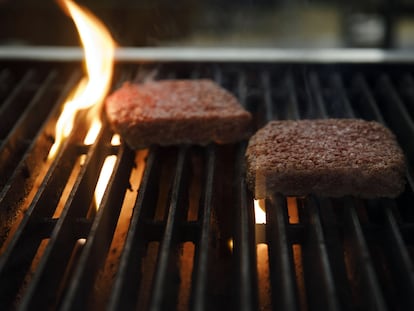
[{"x": 176, "y": 228}]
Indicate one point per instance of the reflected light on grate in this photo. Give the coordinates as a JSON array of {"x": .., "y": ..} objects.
[{"x": 116, "y": 140}]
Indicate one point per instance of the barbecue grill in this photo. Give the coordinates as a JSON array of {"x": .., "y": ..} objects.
[{"x": 176, "y": 229}]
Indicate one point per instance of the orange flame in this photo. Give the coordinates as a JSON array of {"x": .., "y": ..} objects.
[{"x": 99, "y": 50}]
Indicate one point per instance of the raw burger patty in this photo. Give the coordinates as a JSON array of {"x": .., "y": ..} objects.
[
  {"x": 173, "y": 112},
  {"x": 329, "y": 157}
]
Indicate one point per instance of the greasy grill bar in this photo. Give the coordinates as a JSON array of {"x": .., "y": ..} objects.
[{"x": 175, "y": 228}]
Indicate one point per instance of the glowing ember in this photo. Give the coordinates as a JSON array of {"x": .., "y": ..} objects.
[
  {"x": 116, "y": 140},
  {"x": 107, "y": 169},
  {"x": 104, "y": 176},
  {"x": 230, "y": 244},
  {"x": 259, "y": 213},
  {"x": 293, "y": 211},
  {"x": 99, "y": 48}
]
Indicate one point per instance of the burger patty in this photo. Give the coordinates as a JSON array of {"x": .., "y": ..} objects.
[
  {"x": 173, "y": 112},
  {"x": 329, "y": 157}
]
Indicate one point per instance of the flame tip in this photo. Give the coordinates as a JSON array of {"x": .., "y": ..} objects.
[{"x": 63, "y": 4}]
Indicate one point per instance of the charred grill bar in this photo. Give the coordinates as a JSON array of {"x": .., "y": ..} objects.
[{"x": 177, "y": 230}]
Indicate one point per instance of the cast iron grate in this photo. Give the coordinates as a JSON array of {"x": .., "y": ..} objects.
[{"x": 188, "y": 239}]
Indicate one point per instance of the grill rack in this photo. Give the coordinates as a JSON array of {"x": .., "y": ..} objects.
[{"x": 342, "y": 254}]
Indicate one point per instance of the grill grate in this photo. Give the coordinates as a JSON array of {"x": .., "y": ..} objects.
[{"x": 188, "y": 239}]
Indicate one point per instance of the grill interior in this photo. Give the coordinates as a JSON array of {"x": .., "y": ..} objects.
[{"x": 175, "y": 228}]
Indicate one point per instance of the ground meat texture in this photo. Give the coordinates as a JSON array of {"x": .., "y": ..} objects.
[
  {"x": 329, "y": 157},
  {"x": 173, "y": 112}
]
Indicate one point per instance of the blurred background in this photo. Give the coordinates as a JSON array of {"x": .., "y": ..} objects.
[{"x": 233, "y": 23}]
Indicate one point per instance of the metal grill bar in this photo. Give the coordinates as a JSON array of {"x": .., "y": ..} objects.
[
  {"x": 200, "y": 289},
  {"x": 345, "y": 110},
  {"x": 372, "y": 298},
  {"x": 316, "y": 93},
  {"x": 282, "y": 271},
  {"x": 100, "y": 236},
  {"x": 244, "y": 239},
  {"x": 398, "y": 256},
  {"x": 323, "y": 293},
  {"x": 267, "y": 100},
  {"x": 4, "y": 81},
  {"x": 293, "y": 105},
  {"x": 11, "y": 108},
  {"x": 161, "y": 287},
  {"x": 395, "y": 112},
  {"x": 284, "y": 291},
  {"x": 333, "y": 236},
  {"x": 244, "y": 243},
  {"x": 127, "y": 281},
  {"x": 367, "y": 104},
  {"x": 202, "y": 258},
  {"x": 405, "y": 88}
]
